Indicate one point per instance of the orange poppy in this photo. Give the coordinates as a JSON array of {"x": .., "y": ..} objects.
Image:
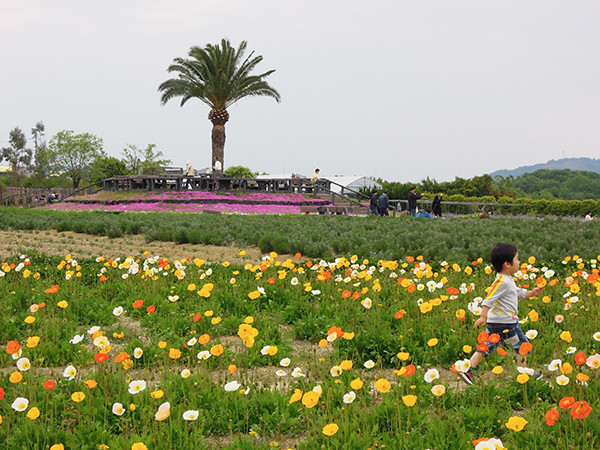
[
  {"x": 356, "y": 295},
  {"x": 197, "y": 317},
  {"x": 138, "y": 304},
  {"x": 501, "y": 351},
  {"x": 204, "y": 339},
  {"x": 452, "y": 291},
  {"x": 410, "y": 370},
  {"x": 566, "y": 402},
  {"x": 412, "y": 288},
  {"x": 580, "y": 358},
  {"x": 454, "y": 369},
  {"x": 482, "y": 348},
  {"x": 337, "y": 330},
  {"x": 399, "y": 314},
  {"x": 552, "y": 416},
  {"x": 52, "y": 290},
  {"x": 410, "y": 259},
  {"x": 49, "y": 385},
  {"x": 483, "y": 337},
  {"x": 346, "y": 294},
  {"x": 13, "y": 347},
  {"x": 271, "y": 280},
  {"x": 150, "y": 309},
  {"x": 580, "y": 410},
  {"x": 121, "y": 357},
  {"x": 494, "y": 337},
  {"x": 1, "y": 393},
  {"x": 102, "y": 278},
  {"x": 525, "y": 348}
]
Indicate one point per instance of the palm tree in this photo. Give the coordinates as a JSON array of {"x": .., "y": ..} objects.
[{"x": 219, "y": 76}]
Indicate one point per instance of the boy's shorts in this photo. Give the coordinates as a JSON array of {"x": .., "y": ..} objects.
[{"x": 510, "y": 333}]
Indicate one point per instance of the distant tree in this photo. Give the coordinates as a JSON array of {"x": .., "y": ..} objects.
[
  {"x": 17, "y": 155},
  {"x": 41, "y": 161},
  {"x": 108, "y": 167},
  {"x": 239, "y": 172},
  {"x": 219, "y": 76},
  {"x": 74, "y": 154},
  {"x": 144, "y": 161}
]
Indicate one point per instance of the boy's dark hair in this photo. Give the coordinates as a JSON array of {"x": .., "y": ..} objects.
[
  {"x": 502, "y": 253},
  {"x": 412, "y": 188}
]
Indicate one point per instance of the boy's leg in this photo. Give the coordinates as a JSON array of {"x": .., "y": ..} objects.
[
  {"x": 477, "y": 358},
  {"x": 521, "y": 360}
]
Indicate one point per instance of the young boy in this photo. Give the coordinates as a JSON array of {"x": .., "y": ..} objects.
[{"x": 499, "y": 311}]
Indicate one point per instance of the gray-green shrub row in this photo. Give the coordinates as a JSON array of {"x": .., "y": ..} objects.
[{"x": 456, "y": 239}]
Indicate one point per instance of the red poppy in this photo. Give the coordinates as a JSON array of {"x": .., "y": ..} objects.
[
  {"x": 580, "y": 358},
  {"x": 271, "y": 280},
  {"x": 150, "y": 309},
  {"x": 494, "y": 337},
  {"x": 49, "y": 385},
  {"x": 52, "y": 290},
  {"x": 100, "y": 357},
  {"x": 356, "y": 295},
  {"x": 482, "y": 348},
  {"x": 580, "y": 410},
  {"x": 346, "y": 294},
  {"x": 13, "y": 347},
  {"x": 138, "y": 304},
  {"x": 1, "y": 393},
  {"x": 552, "y": 416},
  {"x": 197, "y": 317},
  {"x": 566, "y": 402},
  {"x": 501, "y": 351},
  {"x": 525, "y": 348},
  {"x": 483, "y": 337},
  {"x": 452, "y": 291},
  {"x": 399, "y": 314},
  {"x": 410, "y": 370}
]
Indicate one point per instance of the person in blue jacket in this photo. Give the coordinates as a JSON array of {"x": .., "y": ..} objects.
[{"x": 384, "y": 204}]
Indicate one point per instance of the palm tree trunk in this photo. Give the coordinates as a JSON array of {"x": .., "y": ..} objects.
[{"x": 218, "y": 144}]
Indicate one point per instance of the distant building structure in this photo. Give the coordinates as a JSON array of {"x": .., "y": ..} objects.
[{"x": 355, "y": 182}]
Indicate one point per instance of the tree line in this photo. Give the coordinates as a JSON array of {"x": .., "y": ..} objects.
[
  {"x": 543, "y": 184},
  {"x": 70, "y": 159}
]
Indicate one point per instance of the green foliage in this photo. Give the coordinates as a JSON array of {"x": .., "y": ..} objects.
[
  {"x": 143, "y": 161},
  {"x": 240, "y": 172},
  {"x": 74, "y": 154}
]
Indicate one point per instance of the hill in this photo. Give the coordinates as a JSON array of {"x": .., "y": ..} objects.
[{"x": 587, "y": 164}]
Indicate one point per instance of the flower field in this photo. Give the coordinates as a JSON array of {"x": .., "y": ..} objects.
[
  {"x": 141, "y": 352},
  {"x": 189, "y": 201}
]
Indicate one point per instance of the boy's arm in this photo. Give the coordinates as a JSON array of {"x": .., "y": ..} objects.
[
  {"x": 534, "y": 292},
  {"x": 483, "y": 317}
]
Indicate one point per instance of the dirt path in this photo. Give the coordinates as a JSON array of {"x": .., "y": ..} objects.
[{"x": 53, "y": 243}]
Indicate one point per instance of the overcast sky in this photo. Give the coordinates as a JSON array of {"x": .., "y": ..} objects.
[{"x": 394, "y": 89}]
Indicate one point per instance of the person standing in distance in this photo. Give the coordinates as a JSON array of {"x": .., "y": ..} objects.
[
  {"x": 374, "y": 203},
  {"x": 384, "y": 204},
  {"x": 436, "y": 206},
  {"x": 412, "y": 200}
]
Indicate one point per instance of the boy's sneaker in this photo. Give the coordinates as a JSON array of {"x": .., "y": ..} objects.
[
  {"x": 538, "y": 375},
  {"x": 467, "y": 377}
]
